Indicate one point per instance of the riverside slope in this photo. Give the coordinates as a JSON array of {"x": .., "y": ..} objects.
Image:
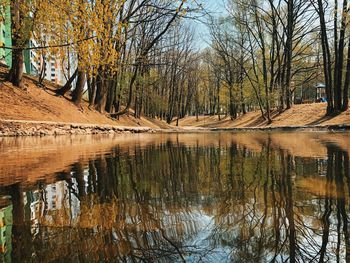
[{"x": 37, "y": 111}]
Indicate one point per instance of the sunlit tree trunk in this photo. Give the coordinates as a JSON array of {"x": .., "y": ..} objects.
[
  {"x": 79, "y": 88},
  {"x": 16, "y": 72}
]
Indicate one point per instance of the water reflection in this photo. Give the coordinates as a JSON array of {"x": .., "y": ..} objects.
[{"x": 200, "y": 198}]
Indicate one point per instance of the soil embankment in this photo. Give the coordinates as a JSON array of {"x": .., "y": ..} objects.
[
  {"x": 38, "y": 111},
  {"x": 299, "y": 116}
]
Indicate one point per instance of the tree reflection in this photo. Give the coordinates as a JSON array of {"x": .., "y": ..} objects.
[
  {"x": 174, "y": 202},
  {"x": 272, "y": 220},
  {"x": 335, "y": 206}
]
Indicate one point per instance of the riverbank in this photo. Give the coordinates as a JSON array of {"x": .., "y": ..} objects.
[
  {"x": 312, "y": 116},
  {"x": 11, "y": 128},
  {"x": 15, "y": 128},
  {"x": 37, "y": 111},
  {"x": 40, "y": 104}
]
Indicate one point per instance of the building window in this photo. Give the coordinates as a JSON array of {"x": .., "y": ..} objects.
[{"x": 53, "y": 75}]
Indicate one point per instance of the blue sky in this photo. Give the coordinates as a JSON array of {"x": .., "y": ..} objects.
[{"x": 214, "y": 7}]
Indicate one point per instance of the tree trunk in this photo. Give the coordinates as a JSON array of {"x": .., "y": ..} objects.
[
  {"x": 42, "y": 70},
  {"x": 79, "y": 88},
  {"x": 101, "y": 96},
  {"x": 244, "y": 111},
  {"x": 218, "y": 98},
  {"x": 67, "y": 87},
  {"x": 232, "y": 106},
  {"x": 16, "y": 72},
  {"x": 92, "y": 93},
  {"x": 338, "y": 69},
  {"x": 345, "y": 105},
  {"x": 111, "y": 94},
  {"x": 343, "y": 101},
  {"x": 131, "y": 85},
  {"x": 327, "y": 65},
  {"x": 289, "y": 52}
]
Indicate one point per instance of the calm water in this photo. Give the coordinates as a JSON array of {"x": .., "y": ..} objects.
[{"x": 219, "y": 197}]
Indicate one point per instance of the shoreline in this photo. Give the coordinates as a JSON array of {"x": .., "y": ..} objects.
[{"x": 22, "y": 128}]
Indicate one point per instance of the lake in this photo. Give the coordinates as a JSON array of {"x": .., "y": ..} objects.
[{"x": 197, "y": 197}]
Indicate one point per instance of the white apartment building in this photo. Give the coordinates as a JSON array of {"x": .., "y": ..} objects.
[{"x": 35, "y": 62}]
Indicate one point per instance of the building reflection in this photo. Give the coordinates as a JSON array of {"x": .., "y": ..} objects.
[
  {"x": 6, "y": 222},
  {"x": 174, "y": 202}
]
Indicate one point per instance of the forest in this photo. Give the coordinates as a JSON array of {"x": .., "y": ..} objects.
[{"x": 145, "y": 57}]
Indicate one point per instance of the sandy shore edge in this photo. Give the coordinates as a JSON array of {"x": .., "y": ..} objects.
[{"x": 16, "y": 128}]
